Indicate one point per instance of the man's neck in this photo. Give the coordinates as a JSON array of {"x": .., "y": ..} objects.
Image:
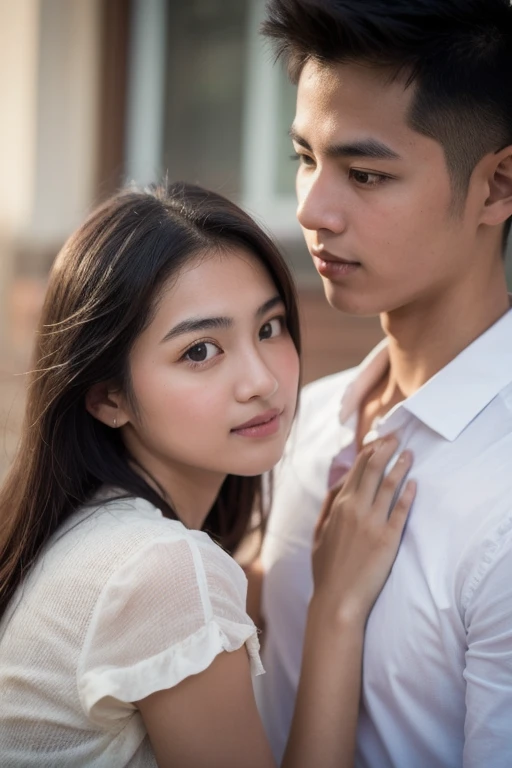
[{"x": 424, "y": 337}]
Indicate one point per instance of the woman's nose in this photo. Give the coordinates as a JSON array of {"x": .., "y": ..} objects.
[{"x": 255, "y": 379}]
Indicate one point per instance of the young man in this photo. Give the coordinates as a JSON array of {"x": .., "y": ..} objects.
[{"x": 403, "y": 131}]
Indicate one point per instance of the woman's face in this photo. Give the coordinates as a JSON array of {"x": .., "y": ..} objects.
[{"x": 214, "y": 375}]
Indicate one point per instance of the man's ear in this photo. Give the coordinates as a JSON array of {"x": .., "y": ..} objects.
[
  {"x": 498, "y": 205},
  {"x": 105, "y": 402}
]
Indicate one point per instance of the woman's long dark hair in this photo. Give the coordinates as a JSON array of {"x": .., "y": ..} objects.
[{"x": 101, "y": 294}]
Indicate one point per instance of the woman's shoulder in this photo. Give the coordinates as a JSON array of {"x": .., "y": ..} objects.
[
  {"x": 114, "y": 531},
  {"x": 116, "y": 520},
  {"x": 177, "y": 600}
]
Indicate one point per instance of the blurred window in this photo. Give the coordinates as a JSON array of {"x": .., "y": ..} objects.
[
  {"x": 285, "y": 166},
  {"x": 206, "y": 76}
]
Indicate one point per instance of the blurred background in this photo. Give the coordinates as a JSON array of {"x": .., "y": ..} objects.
[{"x": 95, "y": 93}]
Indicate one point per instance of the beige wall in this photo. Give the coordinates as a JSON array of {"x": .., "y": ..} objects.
[
  {"x": 49, "y": 98},
  {"x": 67, "y": 117},
  {"x": 19, "y": 26}
]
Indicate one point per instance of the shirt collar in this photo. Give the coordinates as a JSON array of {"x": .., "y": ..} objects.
[
  {"x": 452, "y": 398},
  {"x": 455, "y": 395}
]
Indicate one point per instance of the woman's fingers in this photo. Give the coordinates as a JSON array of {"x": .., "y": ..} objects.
[
  {"x": 372, "y": 475},
  {"x": 391, "y": 483},
  {"x": 401, "y": 508},
  {"x": 359, "y": 530},
  {"x": 325, "y": 511},
  {"x": 352, "y": 479}
]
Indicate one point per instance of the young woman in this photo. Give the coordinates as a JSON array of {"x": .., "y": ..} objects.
[{"x": 165, "y": 384}]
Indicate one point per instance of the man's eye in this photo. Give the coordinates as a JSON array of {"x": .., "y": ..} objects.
[
  {"x": 202, "y": 352},
  {"x": 272, "y": 328},
  {"x": 303, "y": 159},
  {"x": 365, "y": 178}
]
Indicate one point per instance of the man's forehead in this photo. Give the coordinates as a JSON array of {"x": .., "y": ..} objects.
[
  {"x": 350, "y": 97},
  {"x": 335, "y": 72}
]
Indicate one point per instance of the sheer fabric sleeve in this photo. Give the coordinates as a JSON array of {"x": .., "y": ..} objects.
[{"x": 162, "y": 616}]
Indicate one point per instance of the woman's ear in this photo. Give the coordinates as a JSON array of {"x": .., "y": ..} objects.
[
  {"x": 498, "y": 205},
  {"x": 105, "y": 403}
]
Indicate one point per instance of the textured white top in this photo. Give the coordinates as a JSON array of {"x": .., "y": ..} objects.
[
  {"x": 123, "y": 603},
  {"x": 437, "y": 678}
]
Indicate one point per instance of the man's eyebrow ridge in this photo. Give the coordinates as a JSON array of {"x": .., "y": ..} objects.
[
  {"x": 370, "y": 148},
  {"x": 297, "y": 138}
]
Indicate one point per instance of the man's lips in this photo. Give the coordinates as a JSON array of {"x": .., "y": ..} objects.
[
  {"x": 257, "y": 421},
  {"x": 323, "y": 255},
  {"x": 333, "y": 267}
]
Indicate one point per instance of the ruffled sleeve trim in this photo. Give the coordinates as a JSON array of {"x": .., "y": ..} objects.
[{"x": 106, "y": 692}]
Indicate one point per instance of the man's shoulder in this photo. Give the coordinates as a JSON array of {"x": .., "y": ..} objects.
[
  {"x": 319, "y": 408},
  {"x": 325, "y": 394}
]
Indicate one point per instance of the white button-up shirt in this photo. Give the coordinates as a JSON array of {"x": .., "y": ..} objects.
[{"x": 437, "y": 680}]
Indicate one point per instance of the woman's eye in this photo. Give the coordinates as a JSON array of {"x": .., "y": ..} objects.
[
  {"x": 202, "y": 352},
  {"x": 272, "y": 328}
]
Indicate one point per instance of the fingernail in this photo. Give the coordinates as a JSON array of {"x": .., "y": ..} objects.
[
  {"x": 404, "y": 457},
  {"x": 382, "y": 442}
]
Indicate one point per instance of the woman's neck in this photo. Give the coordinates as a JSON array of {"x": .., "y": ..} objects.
[{"x": 190, "y": 492}]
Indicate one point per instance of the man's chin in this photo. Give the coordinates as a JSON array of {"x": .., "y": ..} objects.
[{"x": 349, "y": 302}]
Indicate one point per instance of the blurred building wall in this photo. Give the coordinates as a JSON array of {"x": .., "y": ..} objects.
[
  {"x": 67, "y": 121},
  {"x": 19, "y": 30},
  {"x": 49, "y": 82},
  {"x": 98, "y": 92}
]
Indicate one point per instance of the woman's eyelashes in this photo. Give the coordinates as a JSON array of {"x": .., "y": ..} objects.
[
  {"x": 272, "y": 328},
  {"x": 200, "y": 353}
]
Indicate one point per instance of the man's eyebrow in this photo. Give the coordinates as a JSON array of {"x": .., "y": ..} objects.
[
  {"x": 370, "y": 148},
  {"x": 196, "y": 324}
]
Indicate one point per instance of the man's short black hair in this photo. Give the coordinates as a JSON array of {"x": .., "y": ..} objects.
[{"x": 458, "y": 54}]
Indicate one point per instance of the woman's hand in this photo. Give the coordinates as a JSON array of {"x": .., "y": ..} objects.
[
  {"x": 356, "y": 541},
  {"x": 359, "y": 530}
]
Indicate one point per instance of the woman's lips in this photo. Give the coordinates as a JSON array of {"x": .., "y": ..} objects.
[{"x": 260, "y": 426}]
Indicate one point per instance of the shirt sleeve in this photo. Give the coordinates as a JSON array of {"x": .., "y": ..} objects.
[
  {"x": 488, "y": 669},
  {"x": 163, "y": 616}
]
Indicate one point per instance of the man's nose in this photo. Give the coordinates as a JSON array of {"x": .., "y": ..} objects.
[{"x": 321, "y": 204}]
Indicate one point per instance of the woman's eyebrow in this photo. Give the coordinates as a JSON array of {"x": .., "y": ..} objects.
[
  {"x": 195, "y": 324},
  {"x": 268, "y": 305}
]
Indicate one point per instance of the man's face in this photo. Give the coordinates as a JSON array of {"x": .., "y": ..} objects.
[{"x": 375, "y": 199}]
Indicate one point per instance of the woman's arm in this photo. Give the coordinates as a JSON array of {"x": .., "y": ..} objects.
[
  {"x": 254, "y": 573},
  {"x": 355, "y": 544},
  {"x": 211, "y": 720}
]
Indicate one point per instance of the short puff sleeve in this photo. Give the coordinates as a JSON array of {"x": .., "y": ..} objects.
[{"x": 164, "y": 615}]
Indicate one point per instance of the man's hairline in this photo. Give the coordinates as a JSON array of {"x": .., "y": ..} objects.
[{"x": 459, "y": 194}]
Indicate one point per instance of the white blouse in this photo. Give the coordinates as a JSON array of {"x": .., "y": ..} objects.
[{"x": 122, "y": 603}]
